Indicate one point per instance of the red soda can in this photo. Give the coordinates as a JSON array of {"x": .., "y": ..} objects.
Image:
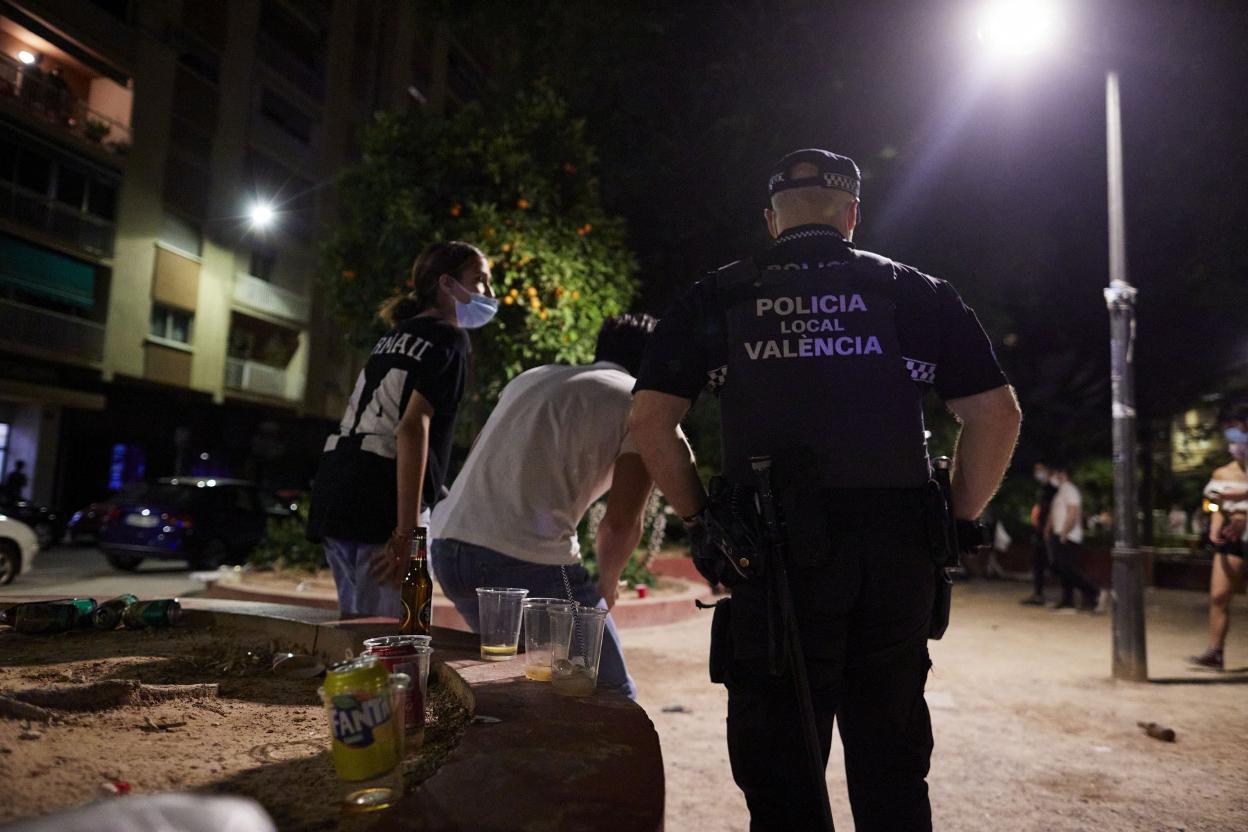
[{"x": 402, "y": 654}]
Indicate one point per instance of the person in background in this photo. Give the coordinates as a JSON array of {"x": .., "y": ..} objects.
[
  {"x": 384, "y": 467},
  {"x": 1064, "y": 532},
  {"x": 1039, "y": 545},
  {"x": 15, "y": 482},
  {"x": 1228, "y": 490}
]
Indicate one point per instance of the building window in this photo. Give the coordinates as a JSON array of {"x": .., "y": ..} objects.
[
  {"x": 263, "y": 263},
  {"x": 171, "y": 324},
  {"x": 296, "y": 123},
  {"x": 181, "y": 234}
]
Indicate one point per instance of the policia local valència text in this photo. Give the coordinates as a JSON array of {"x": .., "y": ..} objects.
[{"x": 788, "y": 310}]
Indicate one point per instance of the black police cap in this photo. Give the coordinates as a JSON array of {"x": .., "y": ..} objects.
[{"x": 835, "y": 171}]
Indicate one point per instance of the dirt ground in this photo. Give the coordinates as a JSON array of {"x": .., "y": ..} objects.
[
  {"x": 262, "y": 736},
  {"x": 1031, "y": 731}
]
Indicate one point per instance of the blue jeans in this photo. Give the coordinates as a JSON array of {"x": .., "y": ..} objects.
[
  {"x": 462, "y": 567},
  {"x": 360, "y": 595}
]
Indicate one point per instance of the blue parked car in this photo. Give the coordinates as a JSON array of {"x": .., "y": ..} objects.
[{"x": 207, "y": 522}]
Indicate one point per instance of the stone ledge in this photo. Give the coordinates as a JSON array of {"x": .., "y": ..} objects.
[{"x": 628, "y": 612}]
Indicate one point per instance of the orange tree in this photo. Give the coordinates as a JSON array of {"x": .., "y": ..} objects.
[{"x": 517, "y": 180}]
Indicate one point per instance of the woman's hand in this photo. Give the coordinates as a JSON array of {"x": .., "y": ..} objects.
[{"x": 388, "y": 562}]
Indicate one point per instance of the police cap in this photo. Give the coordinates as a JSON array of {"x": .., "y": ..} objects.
[{"x": 834, "y": 171}]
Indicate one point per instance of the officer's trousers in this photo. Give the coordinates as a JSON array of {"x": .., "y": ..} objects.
[{"x": 863, "y": 615}]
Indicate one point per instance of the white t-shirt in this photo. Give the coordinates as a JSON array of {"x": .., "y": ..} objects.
[
  {"x": 1065, "y": 501},
  {"x": 545, "y": 454}
]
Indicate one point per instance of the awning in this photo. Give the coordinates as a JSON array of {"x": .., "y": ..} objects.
[{"x": 46, "y": 273}]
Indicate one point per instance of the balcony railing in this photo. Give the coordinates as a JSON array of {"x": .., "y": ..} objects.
[
  {"x": 284, "y": 62},
  {"x": 254, "y": 377},
  {"x": 65, "y": 335},
  {"x": 86, "y": 231},
  {"x": 262, "y": 296},
  {"x": 53, "y": 103}
]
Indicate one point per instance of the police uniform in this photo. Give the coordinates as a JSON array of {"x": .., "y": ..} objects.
[{"x": 821, "y": 356}]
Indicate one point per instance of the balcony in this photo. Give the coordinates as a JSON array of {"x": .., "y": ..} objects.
[
  {"x": 252, "y": 293},
  {"x": 29, "y": 327},
  {"x": 86, "y": 231},
  {"x": 286, "y": 65},
  {"x": 53, "y": 104},
  {"x": 254, "y": 377}
]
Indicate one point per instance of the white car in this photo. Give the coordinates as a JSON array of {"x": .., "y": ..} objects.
[{"x": 18, "y": 546}]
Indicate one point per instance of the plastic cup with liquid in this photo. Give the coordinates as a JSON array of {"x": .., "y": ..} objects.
[
  {"x": 576, "y": 648},
  {"x": 537, "y": 635},
  {"x": 499, "y": 609}
]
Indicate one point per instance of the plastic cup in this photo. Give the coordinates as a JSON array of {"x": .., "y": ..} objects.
[
  {"x": 537, "y": 636},
  {"x": 500, "y": 621},
  {"x": 576, "y": 648}
]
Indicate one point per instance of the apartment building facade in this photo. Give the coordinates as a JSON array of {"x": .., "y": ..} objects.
[{"x": 148, "y": 326}]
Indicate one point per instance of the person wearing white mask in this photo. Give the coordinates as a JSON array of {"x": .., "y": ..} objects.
[
  {"x": 385, "y": 464},
  {"x": 1228, "y": 529}
]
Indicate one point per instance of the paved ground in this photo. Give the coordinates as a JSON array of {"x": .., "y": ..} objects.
[
  {"x": 1031, "y": 733},
  {"x": 82, "y": 570}
]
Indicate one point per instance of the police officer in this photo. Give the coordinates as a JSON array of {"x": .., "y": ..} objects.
[{"x": 821, "y": 355}]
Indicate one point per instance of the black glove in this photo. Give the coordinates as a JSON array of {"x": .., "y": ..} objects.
[{"x": 707, "y": 558}]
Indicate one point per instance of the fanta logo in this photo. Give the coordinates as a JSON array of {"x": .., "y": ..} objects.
[{"x": 353, "y": 720}]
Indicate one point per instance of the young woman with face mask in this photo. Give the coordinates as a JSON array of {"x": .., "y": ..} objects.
[
  {"x": 384, "y": 467},
  {"x": 1229, "y": 490}
]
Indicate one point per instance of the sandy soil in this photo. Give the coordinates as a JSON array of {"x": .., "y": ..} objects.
[
  {"x": 263, "y": 736},
  {"x": 1031, "y": 733}
]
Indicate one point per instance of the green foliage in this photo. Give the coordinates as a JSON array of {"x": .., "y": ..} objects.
[
  {"x": 514, "y": 178},
  {"x": 285, "y": 545}
]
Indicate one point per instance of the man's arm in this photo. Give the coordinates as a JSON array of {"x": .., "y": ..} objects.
[
  {"x": 1074, "y": 514},
  {"x": 990, "y": 422},
  {"x": 621, "y": 527},
  {"x": 654, "y": 423}
]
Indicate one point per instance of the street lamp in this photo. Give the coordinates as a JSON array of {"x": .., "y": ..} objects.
[
  {"x": 261, "y": 215},
  {"x": 1021, "y": 27}
]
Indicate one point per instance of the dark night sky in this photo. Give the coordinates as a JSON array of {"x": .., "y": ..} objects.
[{"x": 991, "y": 177}]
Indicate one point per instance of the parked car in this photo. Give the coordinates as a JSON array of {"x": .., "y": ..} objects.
[
  {"x": 18, "y": 547},
  {"x": 207, "y": 522},
  {"x": 85, "y": 523},
  {"x": 47, "y": 523}
]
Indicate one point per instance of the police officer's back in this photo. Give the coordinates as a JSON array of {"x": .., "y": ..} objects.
[{"x": 821, "y": 356}]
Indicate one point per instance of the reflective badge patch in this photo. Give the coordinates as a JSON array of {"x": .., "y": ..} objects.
[
  {"x": 715, "y": 378},
  {"x": 920, "y": 370}
]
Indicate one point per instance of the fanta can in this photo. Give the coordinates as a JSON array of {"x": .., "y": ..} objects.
[{"x": 365, "y": 708}]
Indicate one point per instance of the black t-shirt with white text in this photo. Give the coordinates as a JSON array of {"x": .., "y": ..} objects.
[{"x": 354, "y": 495}]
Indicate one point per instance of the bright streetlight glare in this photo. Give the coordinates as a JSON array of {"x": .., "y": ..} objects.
[
  {"x": 26, "y": 57},
  {"x": 1019, "y": 27},
  {"x": 262, "y": 215}
]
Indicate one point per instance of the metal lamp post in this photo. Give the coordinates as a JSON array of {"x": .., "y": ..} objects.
[
  {"x": 1127, "y": 572},
  {"x": 1022, "y": 27}
]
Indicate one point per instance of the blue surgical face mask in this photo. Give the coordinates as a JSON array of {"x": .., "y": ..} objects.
[
  {"x": 1236, "y": 436},
  {"x": 477, "y": 312}
]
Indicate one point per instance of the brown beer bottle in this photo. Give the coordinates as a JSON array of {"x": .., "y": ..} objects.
[{"x": 417, "y": 588}]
